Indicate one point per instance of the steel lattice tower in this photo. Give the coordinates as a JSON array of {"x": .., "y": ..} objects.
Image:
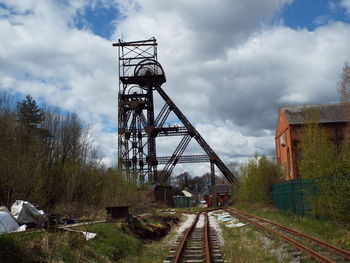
[{"x": 140, "y": 74}]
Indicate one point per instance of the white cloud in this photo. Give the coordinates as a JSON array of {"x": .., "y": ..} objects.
[
  {"x": 228, "y": 68},
  {"x": 346, "y": 4},
  {"x": 43, "y": 54}
]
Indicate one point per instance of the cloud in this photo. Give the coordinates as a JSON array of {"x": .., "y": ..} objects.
[
  {"x": 322, "y": 20},
  {"x": 274, "y": 67},
  {"x": 219, "y": 74},
  {"x": 228, "y": 65},
  {"x": 346, "y": 4},
  {"x": 42, "y": 53}
]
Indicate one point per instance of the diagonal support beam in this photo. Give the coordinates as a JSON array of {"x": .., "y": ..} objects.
[
  {"x": 162, "y": 116},
  {"x": 193, "y": 132},
  {"x": 164, "y": 175}
]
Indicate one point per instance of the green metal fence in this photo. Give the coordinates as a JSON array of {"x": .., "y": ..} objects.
[
  {"x": 182, "y": 201},
  {"x": 293, "y": 195}
]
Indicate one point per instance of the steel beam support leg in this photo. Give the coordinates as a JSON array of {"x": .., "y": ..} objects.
[{"x": 212, "y": 180}]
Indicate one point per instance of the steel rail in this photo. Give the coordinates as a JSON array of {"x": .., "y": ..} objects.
[
  {"x": 182, "y": 244},
  {"x": 330, "y": 247},
  {"x": 206, "y": 249},
  {"x": 298, "y": 245},
  {"x": 206, "y": 239}
]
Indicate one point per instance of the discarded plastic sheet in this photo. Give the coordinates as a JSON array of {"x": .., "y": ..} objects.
[
  {"x": 25, "y": 213},
  {"x": 235, "y": 225},
  {"x": 226, "y": 218},
  {"x": 7, "y": 223},
  {"x": 4, "y": 209},
  {"x": 89, "y": 235},
  {"x": 22, "y": 228}
]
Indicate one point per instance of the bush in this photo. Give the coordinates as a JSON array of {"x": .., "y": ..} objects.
[
  {"x": 329, "y": 164},
  {"x": 257, "y": 177}
]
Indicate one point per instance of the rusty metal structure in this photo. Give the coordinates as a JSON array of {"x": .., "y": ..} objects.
[{"x": 140, "y": 76}]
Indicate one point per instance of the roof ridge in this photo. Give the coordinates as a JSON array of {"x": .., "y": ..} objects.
[{"x": 314, "y": 105}]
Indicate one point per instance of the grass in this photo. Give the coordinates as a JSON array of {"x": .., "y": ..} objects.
[
  {"x": 124, "y": 247},
  {"x": 114, "y": 242},
  {"x": 244, "y": 245},
  {"x": 155, "y": 251},
  {"x": 248, "y": 244},
  {"x": 332, "y": 232},
  {"x": 110, "y": 243}
]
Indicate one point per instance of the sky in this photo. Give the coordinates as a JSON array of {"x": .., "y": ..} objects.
[{"x": 229, "y": 64}]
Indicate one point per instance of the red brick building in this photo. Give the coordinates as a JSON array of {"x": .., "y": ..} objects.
[{"x": 334, "y": 117}]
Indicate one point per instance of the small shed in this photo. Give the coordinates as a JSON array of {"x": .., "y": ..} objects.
[
  {"x": 223, "y": 193},
  {"x": 116, "y": 213},
  {"x": 182, "y": 201}
]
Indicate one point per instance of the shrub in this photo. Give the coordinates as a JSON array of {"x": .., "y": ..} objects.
[{"x": 257, "y": 177}]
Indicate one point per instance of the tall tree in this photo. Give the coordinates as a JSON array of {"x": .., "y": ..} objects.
[
  {"x": 318, "y": 154},
  {"x": 28, "y": 111},
  {"x": 344, "y": 83}
]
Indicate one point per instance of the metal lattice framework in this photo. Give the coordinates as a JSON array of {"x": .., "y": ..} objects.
[{"x": 140, "y": 74}]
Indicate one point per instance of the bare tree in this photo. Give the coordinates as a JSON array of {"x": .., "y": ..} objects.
[{"x": 343, "y": 85}]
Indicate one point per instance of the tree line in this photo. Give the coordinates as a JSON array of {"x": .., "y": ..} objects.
[{"x": 47, "y": 158}]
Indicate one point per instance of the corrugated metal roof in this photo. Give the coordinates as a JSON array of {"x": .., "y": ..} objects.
[{"x": 327, "y": 113}]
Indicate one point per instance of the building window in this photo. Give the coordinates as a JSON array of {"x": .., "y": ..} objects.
[{"x": 283, "y": 139}]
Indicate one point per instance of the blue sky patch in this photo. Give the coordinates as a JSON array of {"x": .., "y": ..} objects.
[
  {"x": 311, "y": 14},
  {"x": 100, "y": 20}
]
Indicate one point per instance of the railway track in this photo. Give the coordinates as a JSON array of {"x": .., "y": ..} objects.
[
  {"x": 313, "y": 247},
  {"x": 197, "y": 244}
]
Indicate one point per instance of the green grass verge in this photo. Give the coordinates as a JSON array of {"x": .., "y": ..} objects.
[
  {"x": 244, "y": 245},
  {"x": 111, "y": 244},
  {"x": 332, "y": 232}
]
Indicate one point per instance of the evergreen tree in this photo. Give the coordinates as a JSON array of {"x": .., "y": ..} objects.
[{"x": 28, "y": 112}]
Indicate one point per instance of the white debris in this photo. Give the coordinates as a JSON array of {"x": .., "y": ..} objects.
[
  {"x": 225, "y": 217},
  {"x": 22, "y": 228},
  {"x": 235, "y": 225},
  {"x": 228, "y": 220},
  {"x": 89, "y": 235},
  {"x": 25, "y": 213}
]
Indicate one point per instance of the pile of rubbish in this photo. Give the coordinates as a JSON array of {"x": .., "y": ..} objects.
[
  {"x": 229, "y": 221},
  {"x": 22, "y": 215}
]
